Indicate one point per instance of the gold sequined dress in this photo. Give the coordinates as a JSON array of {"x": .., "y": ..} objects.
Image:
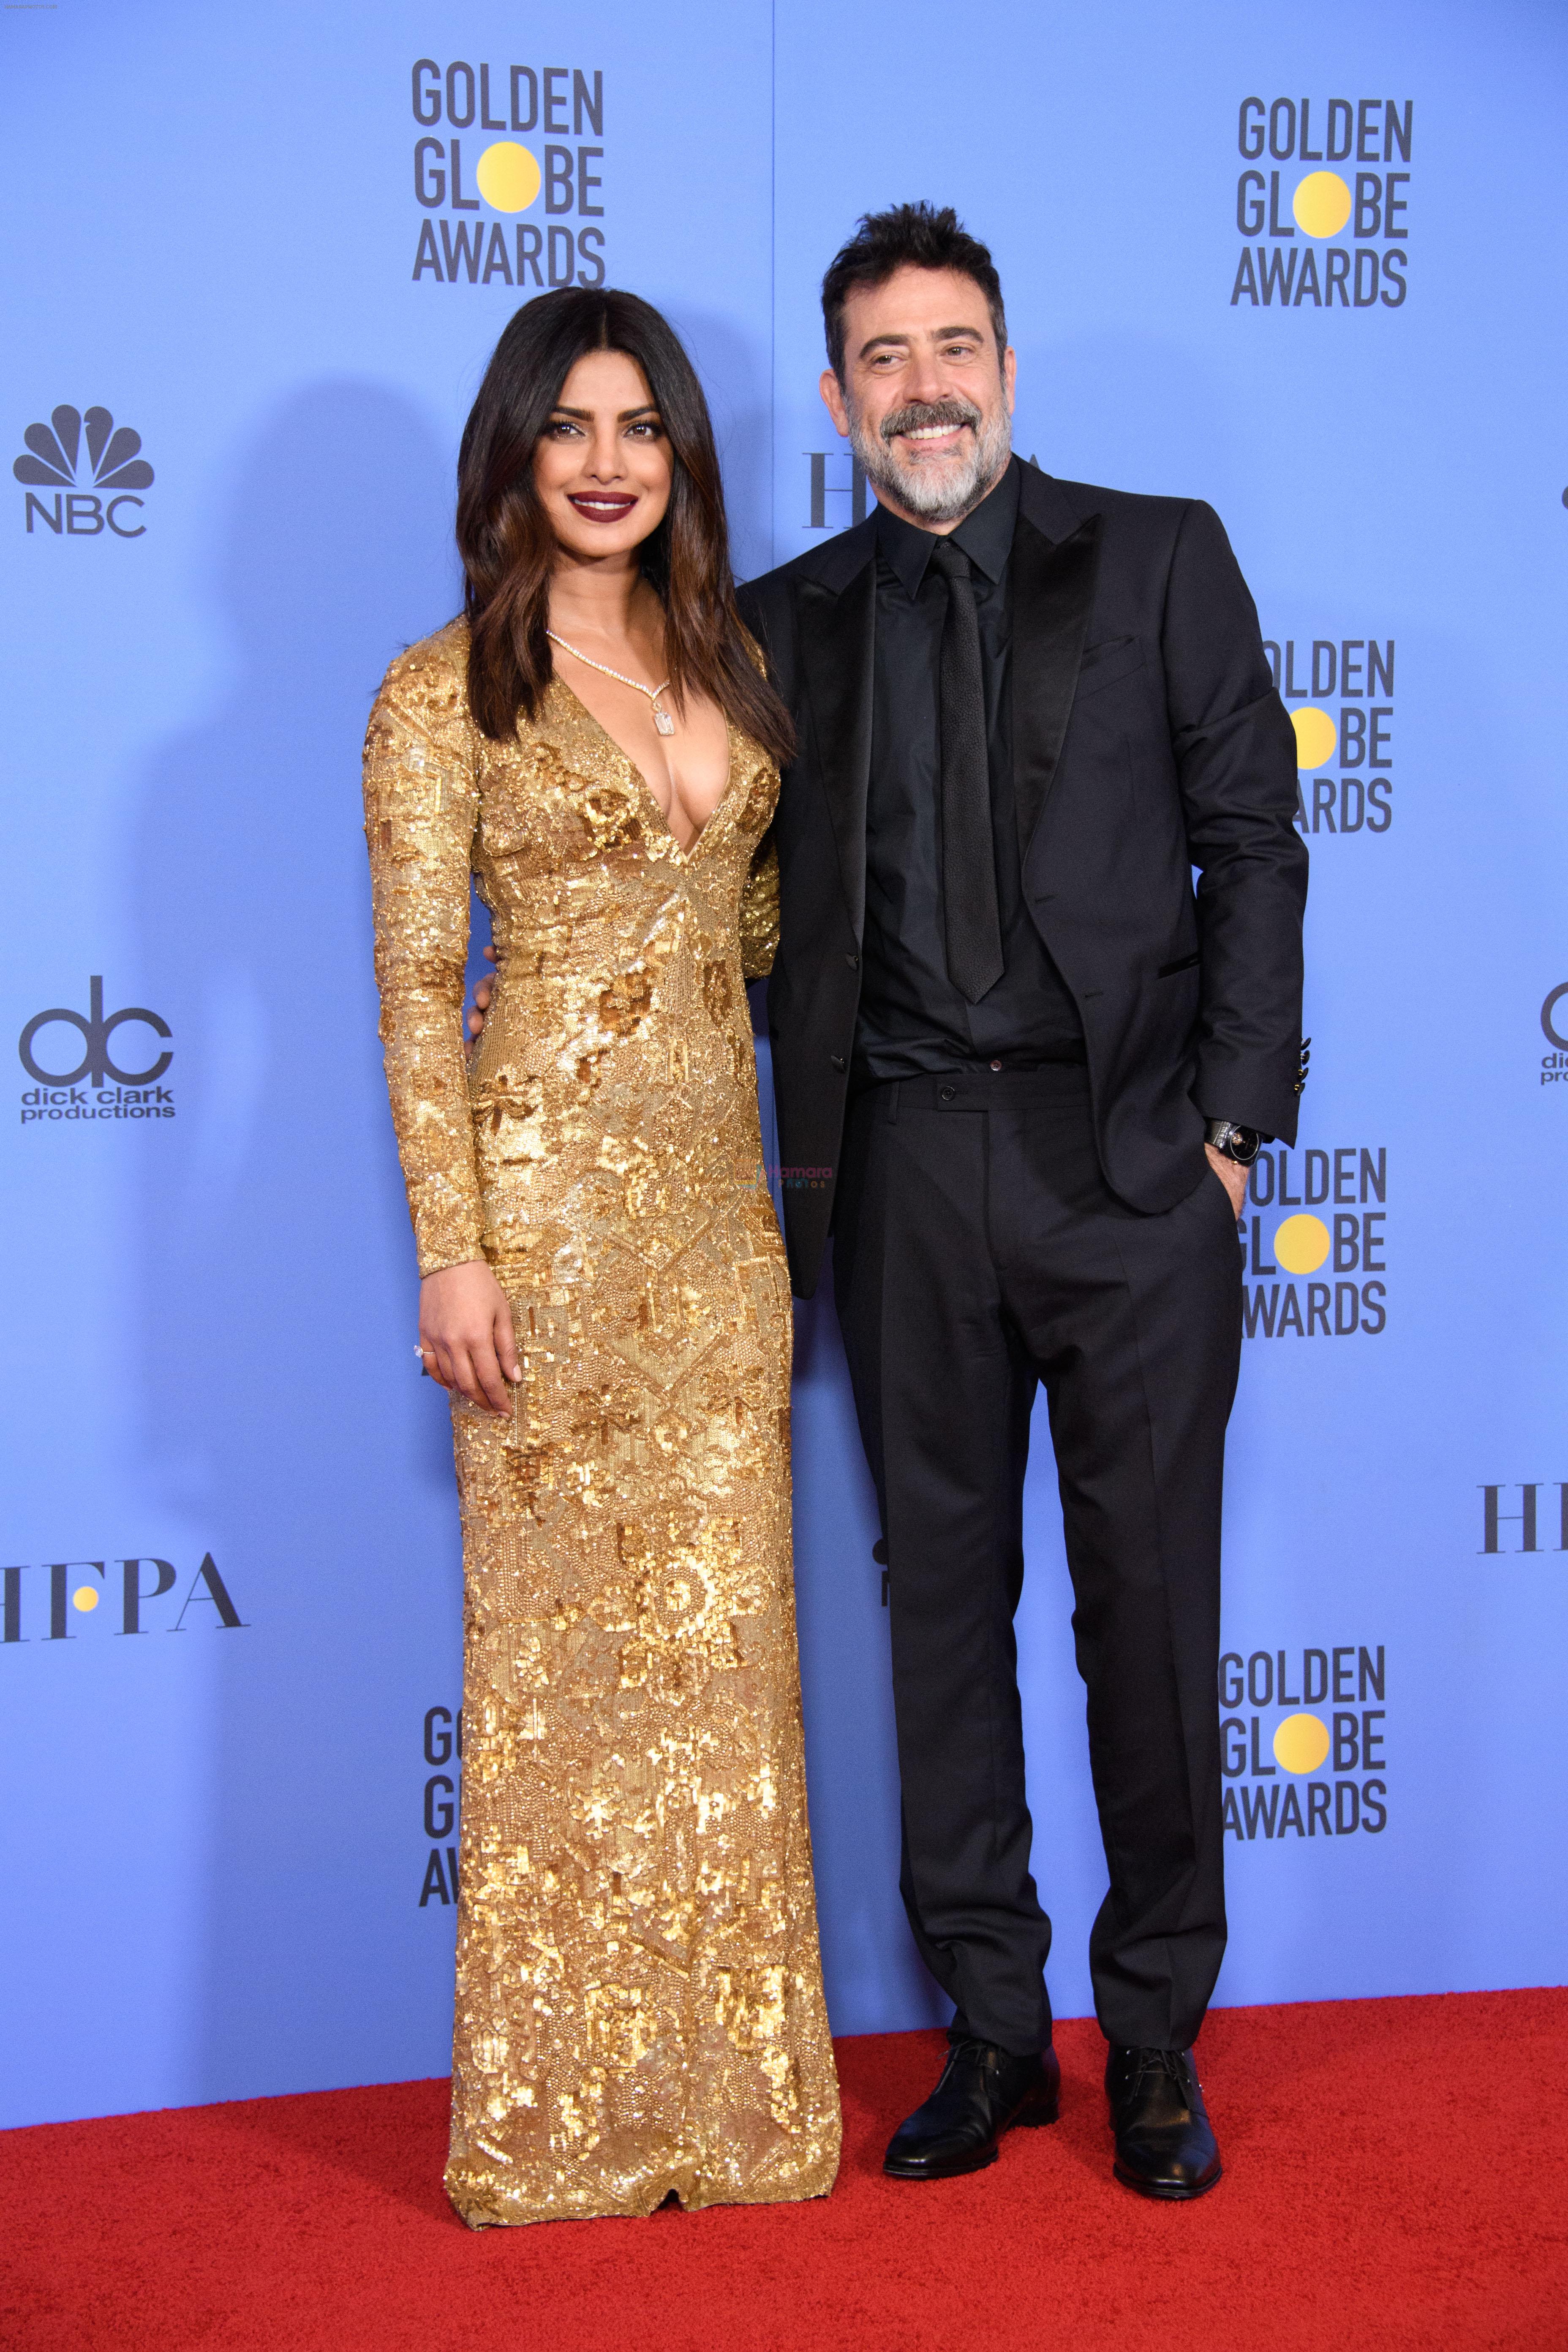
[{"x": 640, "y": 2002}]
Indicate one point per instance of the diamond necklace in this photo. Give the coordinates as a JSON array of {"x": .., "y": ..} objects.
[{"x": 662, "y": 719}]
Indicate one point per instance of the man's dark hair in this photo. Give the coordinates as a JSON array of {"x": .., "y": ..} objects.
[{"x": 906, "y": 237}]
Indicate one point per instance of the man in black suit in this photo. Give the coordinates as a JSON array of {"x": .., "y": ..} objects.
[{"x": 1038, "y": 1062}]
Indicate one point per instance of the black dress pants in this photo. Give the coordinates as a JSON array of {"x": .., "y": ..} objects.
[{"x": 978, "y": 1250}]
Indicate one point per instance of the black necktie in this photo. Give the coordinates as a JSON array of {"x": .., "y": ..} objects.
[{"x": 968, "y": 854}]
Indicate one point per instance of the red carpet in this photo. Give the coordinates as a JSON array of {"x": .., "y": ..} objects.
[{"x": 1393, "y": 2181}]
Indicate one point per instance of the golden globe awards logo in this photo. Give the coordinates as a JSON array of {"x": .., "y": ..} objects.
[
  {"x": 1326, "y": 237},
  {"x": 1338, "y": 692},
  {"x": 444, "y": 1749},
  {"x": 1316, "y": 1213},
  {"x": 499, "y": 142},
  {"x": 1287, "y": 1714},
  {"x": 90, "y": 471}
]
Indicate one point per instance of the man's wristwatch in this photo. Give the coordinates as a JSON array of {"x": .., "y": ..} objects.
[{"x": 1241, "y": 1144}]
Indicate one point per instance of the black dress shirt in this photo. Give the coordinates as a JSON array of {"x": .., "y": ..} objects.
[{"x": 912, "y": 1019}]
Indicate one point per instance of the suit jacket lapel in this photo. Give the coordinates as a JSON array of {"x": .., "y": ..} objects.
[
  {"x": 1053, "y": 589},
  {"x": 838, "y": 633}
]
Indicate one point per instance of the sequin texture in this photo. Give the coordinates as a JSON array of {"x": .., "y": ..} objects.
[{"x": 640, "y": 1999}]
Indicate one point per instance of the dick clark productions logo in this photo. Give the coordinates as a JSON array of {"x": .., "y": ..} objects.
[
  {"x": 1554, "y": 1029},
  {"x": 96, "y": 1085},
  {"x": 93, "y": 467}
]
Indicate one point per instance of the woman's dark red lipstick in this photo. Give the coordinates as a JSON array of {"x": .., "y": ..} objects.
[{"x": 608, "y": 506}]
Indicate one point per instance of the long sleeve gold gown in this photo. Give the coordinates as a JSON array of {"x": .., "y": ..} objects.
[{"x": 640, "y": 2002}]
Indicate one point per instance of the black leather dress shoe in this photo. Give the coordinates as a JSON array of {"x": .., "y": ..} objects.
[
  {"x": 1164, "y": 2143},
  {"x": 982, "y": 2094}
]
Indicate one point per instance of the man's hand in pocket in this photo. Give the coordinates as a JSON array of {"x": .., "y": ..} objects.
[{"x": 1231, "y": 1174}]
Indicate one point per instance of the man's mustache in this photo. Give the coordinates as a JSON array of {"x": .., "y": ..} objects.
[{"x": 919, "y": 415}]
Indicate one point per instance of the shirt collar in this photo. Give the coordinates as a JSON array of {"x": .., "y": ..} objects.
[{"x": 986, "y": 536}]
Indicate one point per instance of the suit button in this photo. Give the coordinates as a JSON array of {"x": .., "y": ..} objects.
[
  {"x": 837, "y": 1061},
  {"x": 995, "y": 1066},
  {"x": 853, "y": 961},
  {"x": 946, "y": 1094}
]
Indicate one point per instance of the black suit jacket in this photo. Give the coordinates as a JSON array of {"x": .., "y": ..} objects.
[{"x": 1147, "y": 739}]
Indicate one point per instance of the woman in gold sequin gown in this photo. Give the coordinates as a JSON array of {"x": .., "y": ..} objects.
[{"x": 639, "y": 2007}]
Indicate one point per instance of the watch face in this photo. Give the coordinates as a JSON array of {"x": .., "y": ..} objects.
[{"x": 1242, "y": 1143}]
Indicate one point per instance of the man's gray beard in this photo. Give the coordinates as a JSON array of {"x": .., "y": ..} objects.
[{"x": 949, "y": 498}]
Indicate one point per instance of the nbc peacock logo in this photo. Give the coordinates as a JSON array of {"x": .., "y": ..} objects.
[{"x": 92, "y": 467}]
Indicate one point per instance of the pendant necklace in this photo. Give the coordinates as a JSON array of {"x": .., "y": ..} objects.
[{"x": 662, "y": 719}]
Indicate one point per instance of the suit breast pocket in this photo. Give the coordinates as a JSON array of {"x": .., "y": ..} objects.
[{"x": 1109, "y": 664}]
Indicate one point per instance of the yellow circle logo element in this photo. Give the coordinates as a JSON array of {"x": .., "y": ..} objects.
[
  {"x": 1301, "y": 1246},
  {"x": 85, "y": 1598},
  {"x": 1302, "y": 1742},
  {"x": 1321, "y": 203},
  {"x": 1316, "y": 736},
  {"x": 509, "y": 177}
]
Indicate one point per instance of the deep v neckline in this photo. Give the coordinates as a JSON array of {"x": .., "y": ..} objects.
[{"x": 700, "y": 836}]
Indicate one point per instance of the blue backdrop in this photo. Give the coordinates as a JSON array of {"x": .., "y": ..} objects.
[{"x": 1297, "y": 264}]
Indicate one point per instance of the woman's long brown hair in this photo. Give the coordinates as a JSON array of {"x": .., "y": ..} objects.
[{"x": 508, "y": 549}]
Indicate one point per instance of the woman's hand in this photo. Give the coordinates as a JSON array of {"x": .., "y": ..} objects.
[
  {"x": 476, "y": 1021},
  {"x": 466, "y": 1336}
]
